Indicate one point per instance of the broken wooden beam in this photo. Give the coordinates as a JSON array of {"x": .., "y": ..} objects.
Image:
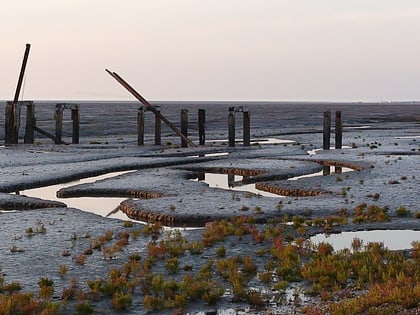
[{"x": 133, "y": 92}]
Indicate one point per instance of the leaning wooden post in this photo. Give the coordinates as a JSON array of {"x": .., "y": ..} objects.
[
  {"x": 327, "y": 131},
  {"x": 30, "y": 123},
  {"x": 158, "y": 129},
  {"x": 58, "y": 123},
  {"x": 140, "y": 126},
  {"x": 246, "y": 129},
  {"x": 202, "y": 126},
  {"x": 184, "y": 127},
  {"x": 338, "y": 130},
  {"x": 231, "y": 126},
  {"x": 75, "y": 117}
]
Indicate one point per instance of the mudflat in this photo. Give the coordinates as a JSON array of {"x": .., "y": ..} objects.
[{"x": 380, "y": 152}]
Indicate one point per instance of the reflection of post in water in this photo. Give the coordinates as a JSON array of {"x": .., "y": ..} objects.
[
  {"x": 231, "y": 180},
  {"x": 201, "y": 176},
  {"x": 326, "y": 170},
  {"x": 338, "y": 170}
]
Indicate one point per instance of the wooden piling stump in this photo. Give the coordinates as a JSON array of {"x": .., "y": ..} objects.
[
  {"x": 140, "y": 126},
  {"x": 158, "y": 130},
  {"x": 30, "y": 123},
  {"x": 75, "y": 117},
  {"x": 231, "y": 126},
  {"x": 327, "y": 131},
  {"x": 58, "y": 123},
  {"x": 338, "y": 130},
  {"x": 246, "y": 129},
  {"x": 184, "y": 127},
  {"x": 202, "y": 126}
]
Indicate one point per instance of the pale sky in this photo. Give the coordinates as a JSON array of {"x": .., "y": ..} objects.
[{"x": 260, "y": 50}]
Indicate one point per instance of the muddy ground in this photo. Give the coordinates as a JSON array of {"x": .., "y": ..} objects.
[{"x": 381, "y": 145}]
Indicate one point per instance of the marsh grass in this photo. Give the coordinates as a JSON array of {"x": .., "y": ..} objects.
[{"x": 164, "y": 277}]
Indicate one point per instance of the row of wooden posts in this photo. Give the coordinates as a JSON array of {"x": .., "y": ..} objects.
[
  {"x": 13, "y": 111},
  {"x": 12, "y": 124}
]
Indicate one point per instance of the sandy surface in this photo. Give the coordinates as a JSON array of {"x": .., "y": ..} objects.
[{"x": 382, "y": 144}]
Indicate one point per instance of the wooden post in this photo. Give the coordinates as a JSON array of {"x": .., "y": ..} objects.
[
  {"x": 158, "y": 129},
  {"x": 326, "y": 170},
  {"x": 338, "y": 170},
  {"x": 231, "y": 126},
  {"x": 12, "y": 123},
  {"x": 75, "y": 117},
  {"x": 140, "y": 126},
  {"x": 202, "y": 126},
  {"x": 184, "y": 127},
  {"x": 58, "y": 123},
  {"x": 338, "y": 130},
  {"x": 327, "y": 131},
  {"x": 231, "y": 180},
  {"x": 30, "y": 123},
  {"x": 246, "y": 129}
]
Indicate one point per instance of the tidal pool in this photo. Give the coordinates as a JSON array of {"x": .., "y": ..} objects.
[
  {"x": 235, "y": 182},
  {"x": 392, "y": 239},
  {"x": 102, "y": 206}
]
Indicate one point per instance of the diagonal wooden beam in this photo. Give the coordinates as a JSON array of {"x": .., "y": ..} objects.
[{"x": 133, "y": 92}]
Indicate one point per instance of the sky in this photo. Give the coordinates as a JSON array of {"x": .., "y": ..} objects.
[{"x": 192, "y": 50}]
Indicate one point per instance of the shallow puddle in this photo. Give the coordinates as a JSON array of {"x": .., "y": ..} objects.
[
  {"x": 257, "y": 141},
  {"x": 231, "y": 182},
  {"x": 235, "y": 182},
  {"x": 98, "y": 205},
  {"x": 392, "y": 239}
]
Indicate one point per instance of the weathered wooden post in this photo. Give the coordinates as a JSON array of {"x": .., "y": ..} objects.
[
  {"x": 140, "y": 126},
  {"x": 30, "y": 123},
  {"x": 231, "y": 180},
  {"x": 327, "y": 131},
  {"x": 184, "y": 127},
  {"x": 202, "y": 126},
  {"x": 12, "y": 123},
  {"x": 338, "y": 130},
  {"x": 158, "y": 129},
  {"x": 326, "y": 170},
  {"x": 75, "y": 117},
  {"x": 58, "y": 123},
  {"x": 231, "y": 126},
  {"x": 246, "y": 128}
]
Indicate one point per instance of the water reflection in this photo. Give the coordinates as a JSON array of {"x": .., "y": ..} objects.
[
  {"x": 98, "y": 205},
  {"x": 393, "y": 239}
]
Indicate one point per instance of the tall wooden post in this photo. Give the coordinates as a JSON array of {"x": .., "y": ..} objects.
[
  {"x": 338, "y": 130},
  {"x": 58, "y": 124},
  {"x": 30, "y": 123},
  {"x": 246, "y": 129},
  {"x": 75, "y": 117},
  {"x": 158, "y": 130},
  {"x": 12, "y": 123},
  {"x": 327, "y": 131},
  {"x": 140, "y": 126},
  {"x": 231, "y": 126},
  {"x": 202, "y": 126},
  {"x": 184, "y": 127}
]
